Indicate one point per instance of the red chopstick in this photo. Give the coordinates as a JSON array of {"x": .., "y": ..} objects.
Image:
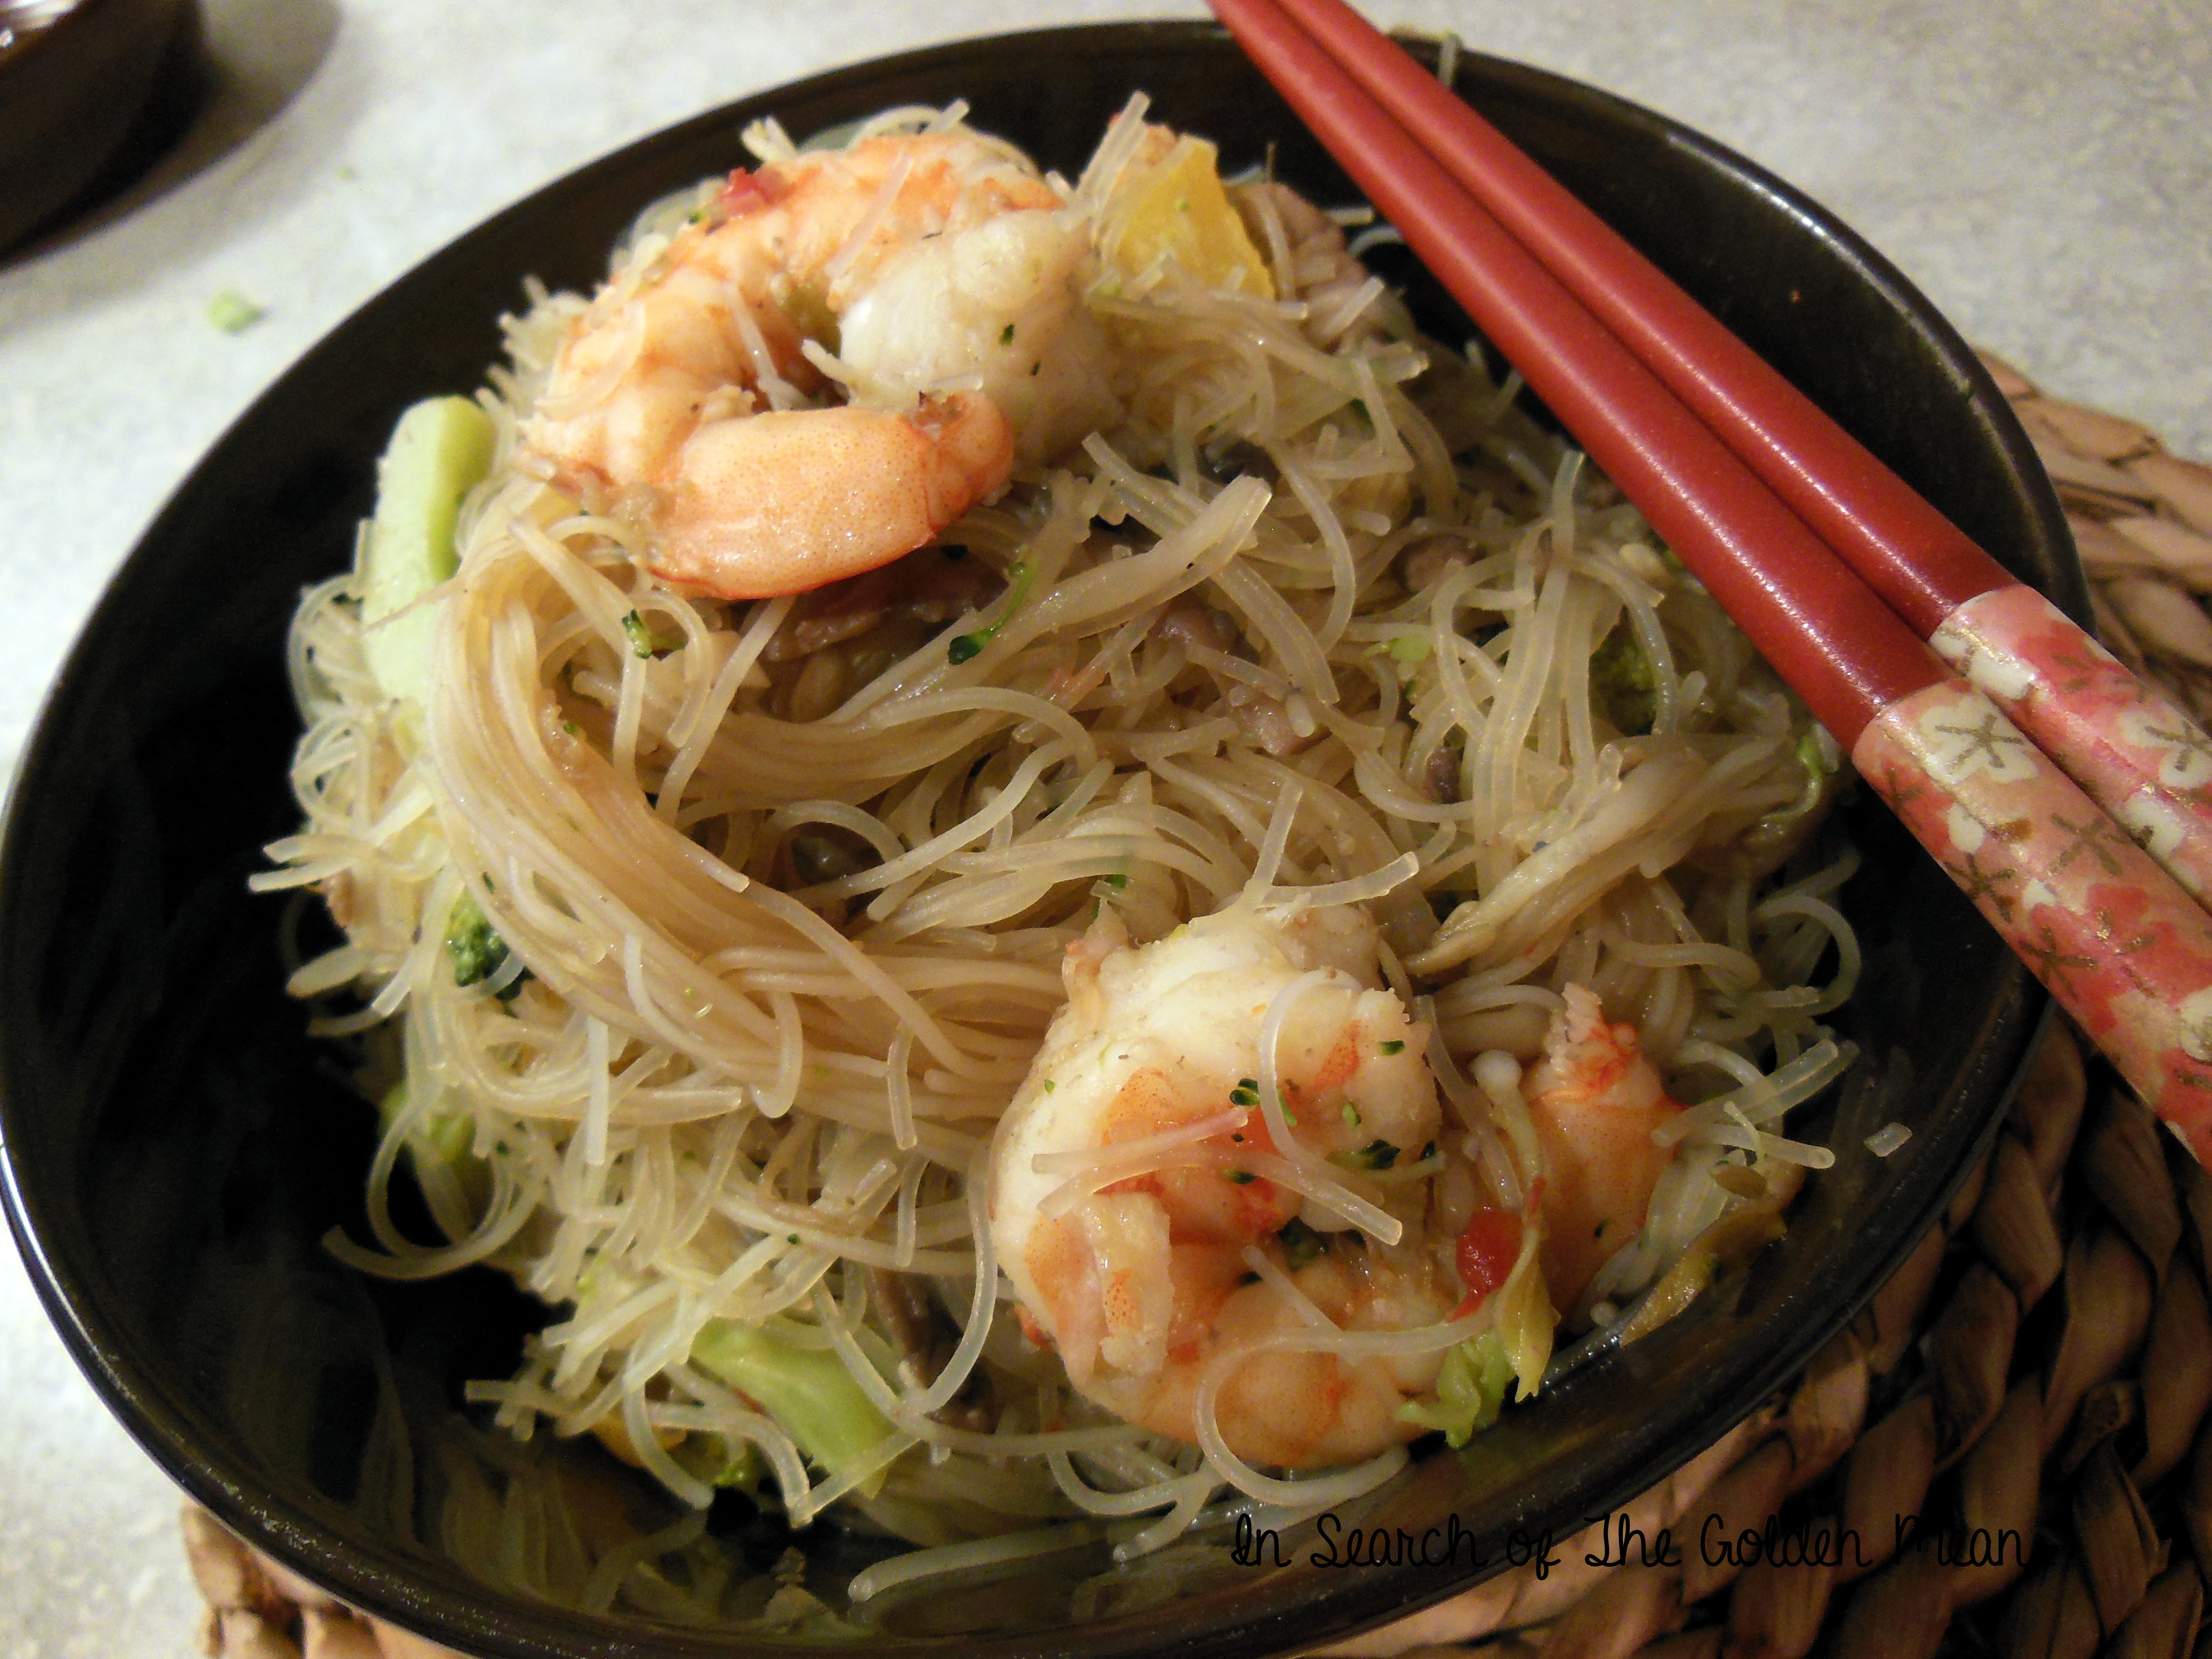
[
  {"x": 2129, "y": 746},
  {"x": 2112, "y": 934}
]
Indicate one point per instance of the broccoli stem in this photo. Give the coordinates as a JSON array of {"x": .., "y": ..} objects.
[
  {"x": 806, "y": 1390},
  {"x": 440, "y": 449}
]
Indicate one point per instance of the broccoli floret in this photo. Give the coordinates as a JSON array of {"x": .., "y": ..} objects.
[{"x": 477, "y": 949}]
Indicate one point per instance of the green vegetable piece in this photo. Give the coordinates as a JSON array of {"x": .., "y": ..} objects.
[
  {"x": 642, "y": 638},
  {"x": 1622, "y": 682},
  {"x": 232, "y": 313},
  {"x": 1410, "y": 649},
  {"x": 443, "y": 1140},
  {"x": 477, "y": 949},
  {"x": 438, "y": 451},
  {"x": 1394, "y": 1046},
  {"x": 807, "y": 1390},
  {"x": 967, "y": 646},
  {"x": 1241, "y": 1177},
  {"x": 1352, "y": 1118},
  {"x": 1302, "y": 1245},
  {"x": 446, "y": 1138},
  {"x": 1470, "y": 1389},
  {"x": 720, "y": 1461},
  {"x": 1375, "y": 1155}
]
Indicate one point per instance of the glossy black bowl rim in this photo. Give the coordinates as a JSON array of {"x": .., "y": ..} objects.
[{"x": 380, "y": 1584}]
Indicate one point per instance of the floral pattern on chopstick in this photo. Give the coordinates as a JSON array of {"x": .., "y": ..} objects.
[
  {"x": 2124, "y": 950},
  {"x": 2131, "y": 750}
]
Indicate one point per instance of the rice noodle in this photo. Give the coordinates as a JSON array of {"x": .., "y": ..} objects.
[{"x": 765, "y": 981}]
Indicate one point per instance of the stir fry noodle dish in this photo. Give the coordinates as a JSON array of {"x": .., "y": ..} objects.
[{"x": 1035, "y": 865}]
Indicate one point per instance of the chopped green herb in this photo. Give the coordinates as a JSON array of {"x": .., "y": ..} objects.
[
  {"x": 1428, "y": 1153},
  {"x": 644, "y": 640},
  {"x": 232, "y": 313},
  {"x": 1116, "y": 882},
  {"x": 1600, "y": 1233},
  {"x": 1238, "y": 1139},
  {"x": 1290, "y": 1117},
  {"x": 1049, "y": 1086},
  {"x": 1006, "y": 335},
  {"x": 967, "y": 646},
  {"x": 1622, "y": 682},
  {"x": 1301, "y": 1244},
  {"x": 1375, "y": 1155},
  {"x": 1394, "y": 1046},
  {"x": 1246, "y": 1093},
  {"x": 1352, "y": 1118},
  {"x": 1242, "y": 1177},
  {"x": 1249, "y": 1279},
  {"x": 791, "y": 1238}
]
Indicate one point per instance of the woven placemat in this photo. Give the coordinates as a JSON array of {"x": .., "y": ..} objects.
[{"x": 2000, "y": 1454}]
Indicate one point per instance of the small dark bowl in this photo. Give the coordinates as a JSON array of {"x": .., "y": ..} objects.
[
  {"x": 88, "y": 98},
  {"x": 176, "y": 1146}
]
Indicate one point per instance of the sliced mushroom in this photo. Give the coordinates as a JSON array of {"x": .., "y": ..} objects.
[{"x": 926, "y": 1338}]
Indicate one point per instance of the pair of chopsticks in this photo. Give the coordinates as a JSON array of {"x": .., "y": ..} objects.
[{"x": 2088, "y": 848}]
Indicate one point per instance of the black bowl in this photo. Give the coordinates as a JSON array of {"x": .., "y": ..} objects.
[
  {"x": 88, "y": 99},
  {"x": 176, "y": 1147}
]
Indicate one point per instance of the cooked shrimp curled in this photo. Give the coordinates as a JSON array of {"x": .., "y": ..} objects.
[
  {"x": 1153, "y": 1224},
  {"x": 935, "y": 275}
]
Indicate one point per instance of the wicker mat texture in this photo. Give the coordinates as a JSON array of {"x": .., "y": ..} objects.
[{"x": 2002, "y": 1454}]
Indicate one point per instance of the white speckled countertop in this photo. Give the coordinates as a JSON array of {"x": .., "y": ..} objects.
[{"x": 2044, "y": 171}]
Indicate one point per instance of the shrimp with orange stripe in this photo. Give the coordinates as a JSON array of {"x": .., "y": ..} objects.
[
  {"x": 839, "y": 356},
  {"x": 1229, "y": 1134},
  {"x": 1231, "y": 1147}
]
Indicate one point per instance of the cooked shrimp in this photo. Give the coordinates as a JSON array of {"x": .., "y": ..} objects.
[
  {"x": 938, "y": 269},
  {"x": 1596, "y": 1100},
  {"x": 1135, "y": 1177}
]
